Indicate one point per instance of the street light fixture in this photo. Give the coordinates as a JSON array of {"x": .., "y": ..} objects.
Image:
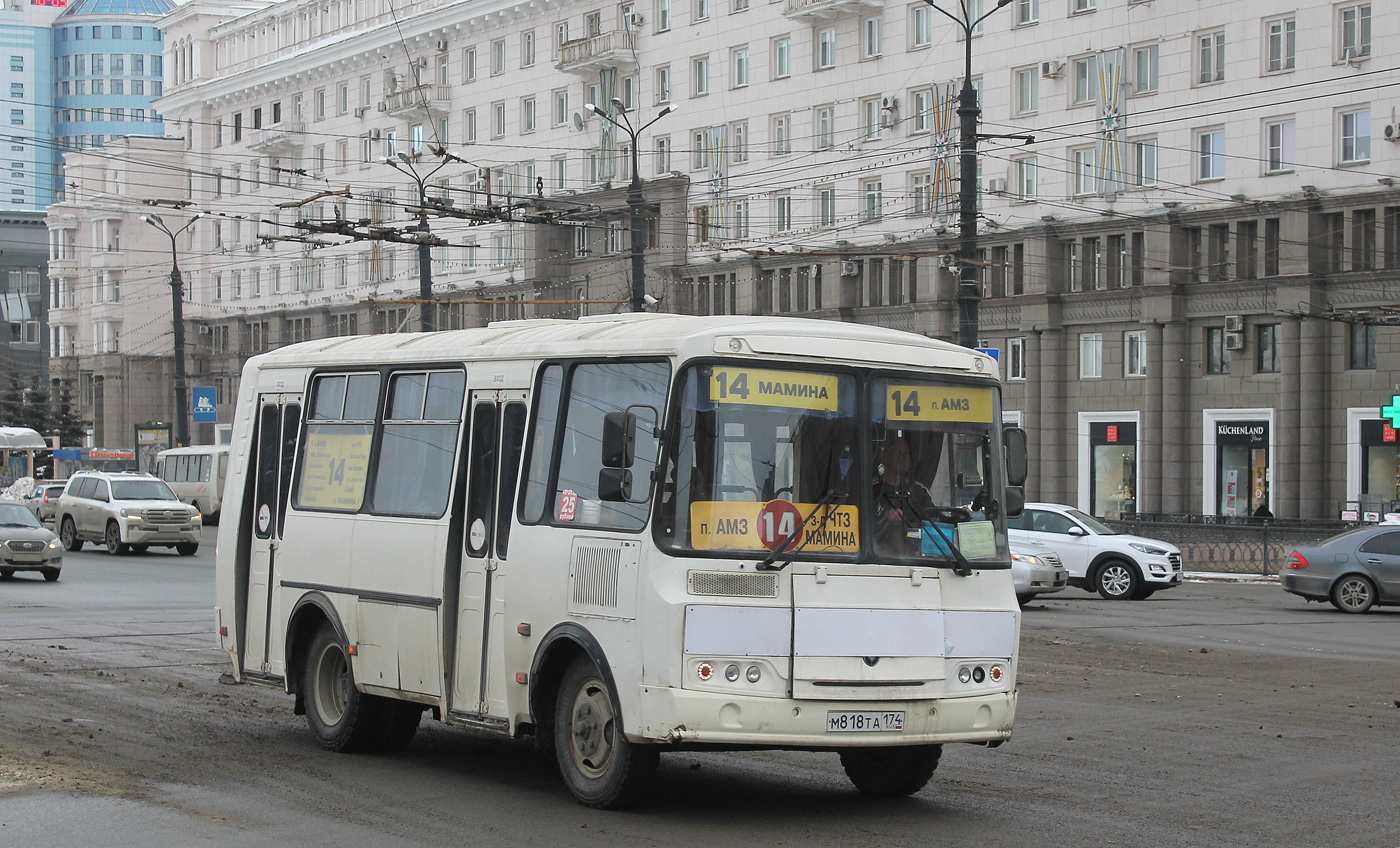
[
  {"x": 404, "y": 164},
  {"x": 968, "y": 114},
  {"x": 635, "y": 200},
  {"x": 177, "y": 317}
]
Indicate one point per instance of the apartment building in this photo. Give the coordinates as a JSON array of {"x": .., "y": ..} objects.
[{"x": 1189, "y": 231}]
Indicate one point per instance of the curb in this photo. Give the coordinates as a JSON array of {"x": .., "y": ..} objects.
[{"x": 1226, "y": 577}]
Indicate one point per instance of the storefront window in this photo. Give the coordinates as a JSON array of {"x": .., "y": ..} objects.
[
  {"x": 1113, "y": 480},
  {"x": 1242, "y": 457},
  {"x": 1380, "y": 463}
]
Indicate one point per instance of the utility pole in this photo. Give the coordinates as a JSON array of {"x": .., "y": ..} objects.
[
  {"x": 635, "y": 199},
  {"x": 969, "y": 294},
  {"x": 403, "y": 163},
  {"x": 177, "y": 313}
]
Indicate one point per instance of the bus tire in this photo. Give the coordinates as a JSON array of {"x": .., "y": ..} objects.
[
  {"x": 398, "y": 726},
  {"x": 342, "y": 718},
  {"x": 891, "y": 772},
  {"x": 68, "y": 532},
  {"x": 600, "y": 766}
]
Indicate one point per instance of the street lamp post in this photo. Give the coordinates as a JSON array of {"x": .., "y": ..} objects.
[
  {"x": 635, "y": 198},
  {"x": 403, "y": 163},
  {"x": 969, "y": 295},
  {"x": 177, "y": 317}
]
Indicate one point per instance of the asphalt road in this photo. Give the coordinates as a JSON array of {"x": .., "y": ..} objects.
[{"x": 1211, "y": 715}]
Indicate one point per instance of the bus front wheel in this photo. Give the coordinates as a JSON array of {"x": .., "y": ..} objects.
[
  {"x": 891, "y": 772},
  {"x": 600, "y": 766},
  {"x": 340, "y": 717}
]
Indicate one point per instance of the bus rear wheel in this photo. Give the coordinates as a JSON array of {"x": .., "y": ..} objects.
[
  {"x": 600, "y": 766},
  {"x": 891, "y": 772}
]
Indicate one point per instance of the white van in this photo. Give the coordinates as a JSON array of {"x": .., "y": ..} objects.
[{"x": 196, "y": 475}]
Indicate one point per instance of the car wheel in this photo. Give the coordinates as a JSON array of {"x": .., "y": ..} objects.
[
  {"x": 7, "y": 573},
  {"x": 891, "y": 772},
  {"x": 340, "y": 717},
  {"x": 601, "y": 768},
  {"x": 1353, "y": 593},
  {"x": 50, "y": 574},
  {"x": 1117, "y": 580},
  {"x": 68, "y": 533},
  {"x": 115, "y": 545},
  {"x": 1024, "y": 598},
  {"x": 187, "y": 548},
  {"x": 140, "y": 549},
  {"x": 1143, "y": 593}
]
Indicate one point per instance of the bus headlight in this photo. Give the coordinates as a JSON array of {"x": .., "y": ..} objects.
[
  {"x": 731, "y": 672},
  {"x": 753, "y": 674}
]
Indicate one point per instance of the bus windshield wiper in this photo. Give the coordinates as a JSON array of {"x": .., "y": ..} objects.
[
  {"x": 902, "y": 499},
  {"x": 827, "y": 501}
]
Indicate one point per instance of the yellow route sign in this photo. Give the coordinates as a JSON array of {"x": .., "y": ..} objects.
[
  {"x": 758, "y": 525},
  {"x": 937, "y": 403},
  {"x": 760, "y": 387},
  {"x": 335, "y": 468}
]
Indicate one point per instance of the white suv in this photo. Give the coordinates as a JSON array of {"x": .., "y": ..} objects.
[
  {"x": 125, "y": 511},
  {"x": 1098, "y": 558}
]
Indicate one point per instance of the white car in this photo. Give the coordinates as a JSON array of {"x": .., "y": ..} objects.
[
  {"x": 125, "y": 511},
  {"x": 1098, "y": 558},
  {"x": 1036, "y": 574}
]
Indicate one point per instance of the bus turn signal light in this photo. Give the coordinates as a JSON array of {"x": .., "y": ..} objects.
[{"x": 1297, "y": 560}]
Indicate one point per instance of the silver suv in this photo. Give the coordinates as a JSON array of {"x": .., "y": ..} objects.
[{"x": 125, "y": 511}]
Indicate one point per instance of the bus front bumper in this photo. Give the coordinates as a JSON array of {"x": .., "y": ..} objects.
[{"x": 687, "y": 716}]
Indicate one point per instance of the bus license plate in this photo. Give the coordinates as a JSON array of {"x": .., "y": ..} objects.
[{"x": 864, "y": 721}]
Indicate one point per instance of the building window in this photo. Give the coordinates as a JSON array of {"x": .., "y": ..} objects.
[
  {"x": 870, "y": 38},
  {"x": 1363, "y": 346},
  {"x": 1354, "y": 141},
  {"x": 1210, "y": 57},
  {"x": 871, "y": 114},
  {"x": 782, "y": 135},
  {"x": 826, "y": 127},
  {"x": 922, "y": 190},
  {"x": 1145, "y": 69},
  {"x": 1085, "y": 179},
  {"x": 1267, "y": 336},
  {"x": 1247, "y": 250},
  {"x": 527, "y": 115},
  {"x": 1279, "y": 146},
  {"x": 1027, "y": 12},
  {"x": 873, "y": 192},
  {"x": 1363, "y": 240},
  {"x": 921, "y": 25},
  {"x": 1282, "y": 45},
  {"x": 1210, "y": 155},
  {"x": 1078, "y": 6},
  {"x": 826, "y": 48},
  {"x": 739, "y": 64},
  {"x": 1354, "y": 31},
  {"x": 1027, "y": 178},
  {"x": 782, "y": 58},
  {"x": 1027, "y": 90},
  {"x": 700, "y": 76},
  {"x": 739, "y": 141},
  {"x": 702, "y": 9},
  {"x": 498, "y": 57},
  {"x": 498, "y": 119},
  {"x": 1090, "y": 356},
  {"x": 1086, "y": 80},
  {"x": 1145, "y": 162},
  {"x": 1217, "y": 355},
  {"x": 663, "y": 155},
  {"x": 468, "y": 73},
  {"x": 1135, "y": 353},
  {"x": 782, "y": 213},
  {"x": 1016, "y": 359},
  {"x": 663, "y": 84},
  {"x": 527, "y": 48}
]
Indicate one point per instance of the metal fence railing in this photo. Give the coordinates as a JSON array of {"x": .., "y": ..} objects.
[{"x": 1230, "y": 544}]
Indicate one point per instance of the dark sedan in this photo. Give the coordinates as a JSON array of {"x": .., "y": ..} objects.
[{"x": 1355, "y": 571}]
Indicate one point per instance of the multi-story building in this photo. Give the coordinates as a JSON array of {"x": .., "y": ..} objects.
[{"x": 1184, "y": 268}]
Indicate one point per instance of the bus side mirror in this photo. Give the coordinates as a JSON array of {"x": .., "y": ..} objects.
[
  {"x": 615, "y": 484},
  {"x": 1014, "y": 501},
  {"x": 1014, "y": 441},
  {"x": 619, "y": 440}
]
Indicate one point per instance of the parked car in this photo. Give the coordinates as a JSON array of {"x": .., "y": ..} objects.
[
  {"x": 27, "y": 545},
  {"x": 1355, "y": 571},
  {"x": 1098, "y": 558},
  {"x": 1036, "y": 574},
  {"x": 44, "y": 501},
  {"x": 125, "y": 511}
]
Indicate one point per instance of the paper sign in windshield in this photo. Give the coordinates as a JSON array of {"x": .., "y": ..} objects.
[
  {"x": 938, "y": 403},
  {"x": 788, "y": 389},
  {"x": 336, "y": 467},
  {"x": 759, "y": 525}
]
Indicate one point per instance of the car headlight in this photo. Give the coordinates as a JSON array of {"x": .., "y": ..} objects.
[
  {"x": 53, "y": 546},
  {"x": 1028, "y": 559},
  {"x": 1148, "y": 549},
  {"x": 124, "y": 512}
]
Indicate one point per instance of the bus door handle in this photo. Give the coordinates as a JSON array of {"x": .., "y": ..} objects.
[{"x": 490, "y": 564}]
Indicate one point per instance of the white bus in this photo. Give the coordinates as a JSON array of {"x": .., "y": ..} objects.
[
  {"x": 630, "y": 534},
  {"x": 196, "y": 475}
]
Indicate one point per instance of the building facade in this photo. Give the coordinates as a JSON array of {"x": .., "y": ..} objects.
[{"x": 1190, "y": 233}]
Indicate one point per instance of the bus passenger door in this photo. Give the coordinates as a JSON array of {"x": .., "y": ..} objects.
[
  {"x": 279, "y": 422},
  {"x": 492, "y": 464}
]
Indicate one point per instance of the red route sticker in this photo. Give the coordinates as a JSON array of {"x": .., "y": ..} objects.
[
  {"x": 568, "y": 504},
  {"x": 776, "y": 522}
]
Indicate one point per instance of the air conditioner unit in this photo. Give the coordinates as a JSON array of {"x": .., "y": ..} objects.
[
  {"x": 383, "y": 107},
  {"x": 889, "y": 104},
  {"x": 634, "y": 19},
  {"x": 850, "y": 269},
  {"x": 1052, "y": 69},
  {"x": 1392, "y": 132},
  {"x": 360, "y": 111},
  {"x": 421, "y": 61},
  {"x": 251, "y": 247},
  {"x": 996, "y": 185},
  {"x": 1234, "y": 341},
  {"x": 947, "y": 260},
  {"x": 205, "y": 330},
  {"x": 375, "y": 135},
  {"x": 1234, "y": 323},
  {"x": 442, "y": 46}
]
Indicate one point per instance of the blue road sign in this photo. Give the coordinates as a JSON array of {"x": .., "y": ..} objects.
[{"x": 203, "y": 409}]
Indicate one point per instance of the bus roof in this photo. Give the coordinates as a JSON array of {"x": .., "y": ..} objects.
[
  {"x": 193, "y": 449},
  {"x": 640, "y": 334}
]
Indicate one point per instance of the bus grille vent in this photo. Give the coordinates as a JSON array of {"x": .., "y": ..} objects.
[
  {"x": 731, "y": 584},
  {"x": 595, "y": 577}
]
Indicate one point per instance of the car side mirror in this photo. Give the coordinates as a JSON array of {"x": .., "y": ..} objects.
[{"x": 1076, "y": 530}]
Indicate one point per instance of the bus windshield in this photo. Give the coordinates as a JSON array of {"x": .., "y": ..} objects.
[{"x": 779, "y": 463}]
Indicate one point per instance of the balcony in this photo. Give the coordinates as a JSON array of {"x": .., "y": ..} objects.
[
  {"x": 589, "y": 55},
  {"x": 286, "y": 137},
  {"x": 813, "y": 11},
  {"x": 435, "y": 100}
]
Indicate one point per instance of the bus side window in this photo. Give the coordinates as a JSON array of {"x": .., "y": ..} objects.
[
  {"x": 512, "y": 441},
  {"x": 204, "y": 468},
  {"x": 160, "y": 469},
  {"x": 535, "y": 486}
]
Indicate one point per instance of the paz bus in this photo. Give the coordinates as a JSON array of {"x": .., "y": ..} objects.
[
  {"x": 196, "y": 475},
  {"x": 625, "y": 535}
]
